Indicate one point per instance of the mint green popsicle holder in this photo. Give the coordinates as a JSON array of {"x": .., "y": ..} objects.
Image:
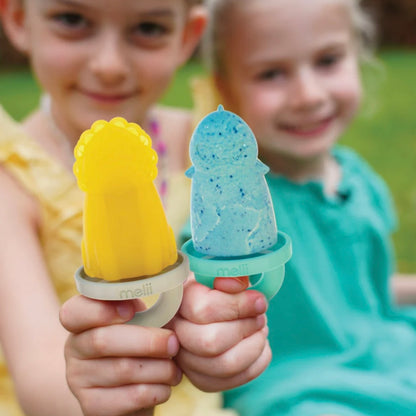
[{"x": 265, "y": 269}]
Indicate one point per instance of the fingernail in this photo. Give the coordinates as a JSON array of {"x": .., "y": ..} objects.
[
  {"x": 237, "y": 284},
  {"x": 173, "y": 346},
  {"x": 260, "y": 305},
  {"x": 124, "y": 310},
  {"x": 243, "y": 281}
]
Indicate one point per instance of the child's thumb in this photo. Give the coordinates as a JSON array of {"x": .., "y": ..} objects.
[{"x": 80, "y": 313}]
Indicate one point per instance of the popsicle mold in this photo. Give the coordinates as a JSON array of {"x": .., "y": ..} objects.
[
  {"x": 233, "y": 224},
  {"x": 231, "y": 209},
  {"x": 125, "y": 231},
  {"x": 265, "y": 269},
  {"x": 128, "y": 248}
]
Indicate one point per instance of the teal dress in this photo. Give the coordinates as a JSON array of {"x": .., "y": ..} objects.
[{"x": 339, "y": 345}]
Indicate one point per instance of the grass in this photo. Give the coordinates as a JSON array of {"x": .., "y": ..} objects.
[{"x": 384, "y": 133}]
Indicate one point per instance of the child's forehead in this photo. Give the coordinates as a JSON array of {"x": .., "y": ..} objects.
[
  {"x": 139, "y": 5},
  {"x": 266, "y": 32},
  {"x": 283, "y": 18},
  {"x": 286, "y": 8}
]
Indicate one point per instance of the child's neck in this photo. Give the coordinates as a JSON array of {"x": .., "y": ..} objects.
[
  {"x": 43, "y": 128},
  {"x": 53, "y": 135},
  {"x": 324, "y": 168}
]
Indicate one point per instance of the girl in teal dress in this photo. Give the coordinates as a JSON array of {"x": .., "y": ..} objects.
[{"x": 341, "y": 346}]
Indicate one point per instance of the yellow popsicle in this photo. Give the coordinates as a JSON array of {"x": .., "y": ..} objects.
[{"x": 126, "y": 234}]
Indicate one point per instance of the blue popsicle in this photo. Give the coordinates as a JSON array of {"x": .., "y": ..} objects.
[{"x": 231, "y": 209}]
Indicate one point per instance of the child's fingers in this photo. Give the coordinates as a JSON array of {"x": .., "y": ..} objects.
[
  {"x": 212, "y": 383},
  {"x": 122, "y": 341},
  {"x": 80, "y": 313},
  {"x": 231, "y": 284},
  {"x": 124, "y": 400},
  {"x": 203, "y": 305},
  {"x": 214, "y": 339},
  {"x": 232, "y": 362},
  {"x": 114, "y": 372}
]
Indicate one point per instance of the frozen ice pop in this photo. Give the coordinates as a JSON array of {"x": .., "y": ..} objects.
[
  {"x": 231, "y": 209},
  {"x": 233, "y": 225},
  {"x": 125, "y": 231}
]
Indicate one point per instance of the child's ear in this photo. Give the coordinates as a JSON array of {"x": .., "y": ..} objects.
[
  {"x": 193, "y": 31},
  {"x": 12, "y": 15}
]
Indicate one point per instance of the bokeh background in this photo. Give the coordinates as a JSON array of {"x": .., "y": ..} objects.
[{"x": 384, "y": 133}]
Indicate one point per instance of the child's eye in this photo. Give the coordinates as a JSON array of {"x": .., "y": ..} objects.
[
  {"x": 271, "y": 74},
  {"x": 151, "y": 29},
  {"x": 71, "y": 20},
  {"x": 327, "y": 61},
  {"x": 151, "y": 34}
]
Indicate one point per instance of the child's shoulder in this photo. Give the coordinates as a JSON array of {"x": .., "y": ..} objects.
[
  {"x": 8, "y": 125},
  {"x": 358, "y": 173},
  {"x": 349, "y": 158},
  {"x": 17, "y": 202},
  {"x": 354, "y": 165}
]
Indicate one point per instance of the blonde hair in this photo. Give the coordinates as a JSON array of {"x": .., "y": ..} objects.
[{"x": 362, "y": 25}]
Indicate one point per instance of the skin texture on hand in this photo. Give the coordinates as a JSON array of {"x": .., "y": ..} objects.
[
  {"x": 115, "y": 369},
  {"x": 218, "y": 338},
  {"x": 223, "y": 334}
]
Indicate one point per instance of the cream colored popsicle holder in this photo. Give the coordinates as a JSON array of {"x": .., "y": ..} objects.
[{"x": 168, "y": 284}]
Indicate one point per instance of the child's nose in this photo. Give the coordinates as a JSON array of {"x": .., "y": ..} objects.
[
  {"x": 109, "y": 60},
  {"x": 307, "y": 92}
]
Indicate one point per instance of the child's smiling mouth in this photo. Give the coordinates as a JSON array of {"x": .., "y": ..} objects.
[
  {"x": 110, "y": 98},
  {"x": 309, "y": 129}
]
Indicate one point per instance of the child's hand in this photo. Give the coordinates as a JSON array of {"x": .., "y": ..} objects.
[
  {"x": 223, "y": 336},
  {"x": 116, "y": 369}
]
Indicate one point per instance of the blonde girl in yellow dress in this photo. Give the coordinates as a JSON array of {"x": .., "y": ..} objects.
[{"x": 94, "y": 59}]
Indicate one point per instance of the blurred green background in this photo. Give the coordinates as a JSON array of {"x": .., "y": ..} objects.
[{"x": 384, "y": 133}]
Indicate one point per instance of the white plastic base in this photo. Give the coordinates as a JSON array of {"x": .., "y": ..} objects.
[{"x": 168, "y": 283}]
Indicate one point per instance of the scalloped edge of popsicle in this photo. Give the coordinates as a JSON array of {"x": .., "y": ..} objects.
[{"x": 89, "y": 135}]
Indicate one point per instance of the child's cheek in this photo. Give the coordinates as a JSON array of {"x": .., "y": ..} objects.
[
  {"x": 346, "y": 89},
  {"x": 56, "y": 62},
  {"x": 352, "y": 96}
]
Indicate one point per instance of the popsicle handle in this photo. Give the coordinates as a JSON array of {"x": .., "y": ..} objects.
[
  {"x": 270, "y": 282},
  {"x": 168, "y": 285},
  {"x": 266, "y": 270},
  {"x": 162, "y": 311}
]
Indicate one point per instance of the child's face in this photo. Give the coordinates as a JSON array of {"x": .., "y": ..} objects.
[
  {"x": 290, "y": 70},
  {"x": 102, "y": 58}
]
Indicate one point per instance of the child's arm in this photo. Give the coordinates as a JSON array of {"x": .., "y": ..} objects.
[
  {"x": 30, "y": 334},
  {"x": 116, "y": 369},
  {"x": 404, "y": 289},
  {"x": 223, "y": 336}
]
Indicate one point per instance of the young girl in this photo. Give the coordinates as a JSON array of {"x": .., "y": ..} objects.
[
  {"x": 95, "y": 59},
  {"x": 290, "y": 68}
]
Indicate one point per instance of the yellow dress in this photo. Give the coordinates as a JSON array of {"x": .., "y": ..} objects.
[{"x": 60, "y": 235}]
